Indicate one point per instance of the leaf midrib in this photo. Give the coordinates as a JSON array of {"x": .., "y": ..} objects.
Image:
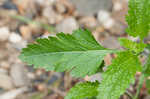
[{"x": 74, "y": 52}]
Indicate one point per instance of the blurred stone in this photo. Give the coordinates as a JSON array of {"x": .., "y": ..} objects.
[
  {"x": 3, "y": 71},
  {"x": 14, "y": 37},
  {"x": 117, "y": 28},
  {"x": 147, "y": 97},
  {"x": 51, "y": 15},
  {"x": 17, "y": 41},
  {"x": 9, "y": 5},
  {"x": 91, "y": 7},
  {"x": 89, "y": 21},
  {"x": 44, "y": 2},
  {"x": 111, "y": 42},
  {"x": 4, "y": 65},
  {"x": 31, "y": 75},
  {"x": 4, "y": 33},
  {"x": 18, "y": 75},
  {"x": 67, "y": 25},
  {"x": 26, "y": 32},
  {"x": 105, "y": 19},
  {"x": 13, "y": 93},
  {"x": 60, "y": 7},
  {"x": 5, "y": 82},
  {"x": 117, "y": 6},
  {"x": 41, "y": 87}
]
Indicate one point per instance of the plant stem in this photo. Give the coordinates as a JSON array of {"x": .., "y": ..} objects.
[
  {"x": 129, "y": 95},
  {"x": 139, "y": 86}
]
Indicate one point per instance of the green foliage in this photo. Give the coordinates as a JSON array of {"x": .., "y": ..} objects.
[
  {"x": 138, "y": 18},
  {"x": 83, "y": 91},
  {"x": 119, "y": 75},
  {"x": 73, "y": 52},
  {"x": 81, "y": 54},
  {"x": 132, "y": 46}
]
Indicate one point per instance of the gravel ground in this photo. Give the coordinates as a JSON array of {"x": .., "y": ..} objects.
[{"x": 22, "y": 21}]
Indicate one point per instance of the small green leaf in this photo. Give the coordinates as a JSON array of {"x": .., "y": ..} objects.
[
  {"x": 119, "y": 75},
  {"x": 83, "y": 91},
  {"x": 132, "y": 46},
  {"x": 138, "y": 18},
  {"x": 78, "y": 52}
]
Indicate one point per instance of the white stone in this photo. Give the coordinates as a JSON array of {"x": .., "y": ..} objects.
[
  {"x": 105, "y": 19},
  {"x": 4, "y": 33},
  {"x": 67, "y": 25},
  {"x": 14, "y": 37},
  {"x": 111, "y": 42},
  {"x": 117, "y": 6},
  {"x": 19, "y": 75},
  {"x": 51, "y": 15},
  {"x": 5, "y": 82},
  {"x": 13, "y": 93}
]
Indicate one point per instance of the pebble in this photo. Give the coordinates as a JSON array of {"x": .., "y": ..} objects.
[
  {"x": 44, "y": 2},
  {"x": 4, "y": 65},
  {"x": 41, "y": 87},
  {"x": 15, "y": 38},
  {"x": 18, "y": 75},
  {"x": 26, "y": 32},
  {"x": 91, "y": 7},
  {"x": 67, "y": 25},
  {"x": 89, "y": 21},
  {"x": 105, "y": 19},
  {"x": 118, "y": 28},
  {"x": 60, "y": 7},
  {"x": 3, "y": 71},
  {"x": 4, "y": 33},
  {"x": 6, "y": 82},
  {"x": 111, "y": 42},
  {"x": 13, "y": 93},
  {"x": 9, "y": 5},
  {"x": 51, "y": 15},
  {"x": 117, "y": 6},
  {"x": 17, "y": 41},
  {"x": 147, "y": 97}
]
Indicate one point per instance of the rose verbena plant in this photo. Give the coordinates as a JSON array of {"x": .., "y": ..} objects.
[{"x": 82, "y": 55}]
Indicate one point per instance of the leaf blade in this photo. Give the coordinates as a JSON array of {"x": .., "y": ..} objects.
[
  {"x": 83, "y": 90},
  {"x": 119, "y": 75},
  {"x": 73, "y": 52},
  {"x": 138, "y": 18},
  {"x": 132, "y": 46}
]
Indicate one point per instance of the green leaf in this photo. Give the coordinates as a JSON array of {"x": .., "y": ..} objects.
[
  {"x": 119, "y": 75},
  {"x": 147, "y": 67},
  {"x": 138, "y": 18},
  {"x": 83, "y": 91},
  {"x": 78, "y": 52},
  {"x": 132, "y": 46}
]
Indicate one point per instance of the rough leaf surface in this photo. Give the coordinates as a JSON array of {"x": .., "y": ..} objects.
[
  {"x": 83, "y": 91},
  {"x": 78, "y": 52},
  {"x": 132, "y": 46},
  {"x": 119, "y": 75},
  {"x": 138, "y": 18}
]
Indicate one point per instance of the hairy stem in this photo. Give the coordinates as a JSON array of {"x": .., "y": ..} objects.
[
  {"x": 139, "y": 86},
  {"x": 129, "y": 95}
]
